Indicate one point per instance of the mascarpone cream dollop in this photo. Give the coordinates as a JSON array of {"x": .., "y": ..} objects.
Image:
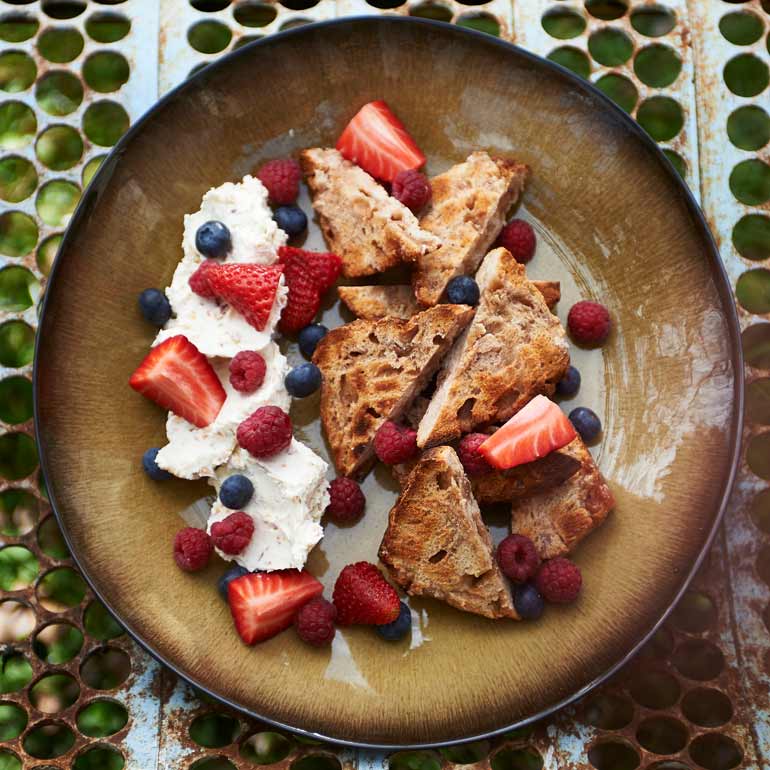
[
  {"x": 192, "y": 452},
  {"x": 218, "y": 330},
  {"x": 290, "y": 497}
]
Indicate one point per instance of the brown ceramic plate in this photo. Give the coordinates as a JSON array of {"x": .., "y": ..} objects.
[{"x": 615, "y": 222}]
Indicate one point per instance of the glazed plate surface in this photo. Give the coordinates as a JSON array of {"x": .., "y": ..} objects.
[{"x": 614, "y": 223}]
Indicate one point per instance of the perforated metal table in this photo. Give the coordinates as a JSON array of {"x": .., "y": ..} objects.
[{"x": 75, "y": 692}]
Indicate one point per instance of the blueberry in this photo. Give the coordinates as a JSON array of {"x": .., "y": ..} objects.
[
  {"x": 399, "y": 628},
  {"x": 228, "y": 577},
  {"x": 309, "y": 337},
  {"x": 527, "y": 601},
  {"x": 236, "y": 491},
  {"x": 462, "y": 290},
  {"x": 291, "y": 219},
  {"x": 151, "y": 468},
  {"x": 154, "y": 306},
  {"x": 303, "y": 380},
  {"x": 570, "y": 383},
  {"x": 213, "y": 240},
  {"x": 586, "y": 423}
]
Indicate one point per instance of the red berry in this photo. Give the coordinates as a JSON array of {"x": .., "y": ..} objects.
[
  {"x": 412, "y": 188},
  {"x": 518, "y": 558},
  {"x": 323, "y": 267},
  {"x": 346, "y": 501},
  {"x": 250, "y": 289},
  {"x": 588, "y": 323},
  {"x": 233, "y": 534},
  {"x": 394, "y": 444},
  {"x": 199, "y": 281},
  {"x": 315, "y": 622},
  {"x": 281, "y": 178},
  {"x": 266, "y": 432},
  {"x": 559, "y": 580},
  {"x": 363, "y": 596},
  {"x": 192, "y": 549},
  {"x": 519, "y": 238},
  {"x": 247, "y": 371},
  {"x": 468, "y": 451}
]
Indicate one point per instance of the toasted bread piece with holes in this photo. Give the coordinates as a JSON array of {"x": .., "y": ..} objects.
[
  {"x": 514, "y": 349},
  {"x": 467, "y": 211},
  {"x": 557, "y": 519},
  {"x": 369, "y": 229},
  {"x": 436, "y": 543},
  {"x": 516, "y": 483},
  {"x": 399, "y": 301},
  {"x": 373, "y": 370}
]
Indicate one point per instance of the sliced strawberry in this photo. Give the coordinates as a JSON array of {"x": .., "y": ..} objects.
[
  {"x": 264, "y": 603},
  {"x": 377, "y": 141},
  {"x": 535, "y": 431},
  {"x": 324, "y": 268},
  {"x": 248, "y": 288},
  {"x": 302, "y": 304},
  {"x": 178, "y": 377}
]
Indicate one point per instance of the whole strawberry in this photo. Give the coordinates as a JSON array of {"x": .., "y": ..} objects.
[
  {"x": 249, "y": 289},
  {"x": 362, "y": 596},
  {"x": 233, "y": 534},
  {"x": 394, "y": 444},
  {"x": 412, "y": 188},
  {"x": 315, "y": 622},
  {"x": 588, "y": 323},
  {"x": 346, "y": 501},
  {"x": 281, "y": 178},
  {"x": 266, "y": 432},
  {"x": 519, "y": 238},
  {"x": 468, "y": 451},
  {"x": 559, "y": 581},
  {"x": 192, "y": 549}
]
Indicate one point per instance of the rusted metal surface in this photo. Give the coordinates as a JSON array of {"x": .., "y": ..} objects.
[{"x": 714, "y": 653}]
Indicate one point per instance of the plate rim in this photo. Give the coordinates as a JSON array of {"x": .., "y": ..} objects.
[{"x": 724, "y": 290}]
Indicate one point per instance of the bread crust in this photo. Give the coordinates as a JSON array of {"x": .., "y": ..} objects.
[
  {"x": 370, "y": 230},
  {"x": 436, "y": 544},
  {"x": 468, "y": 208},
  {"x": 514, "y": 350},
  {"x": 371, "y": 372},
  {"x": 556, "y": 520}
]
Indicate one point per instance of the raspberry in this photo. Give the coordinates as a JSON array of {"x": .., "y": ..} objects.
[
  {"x": 233, "y": 534},
  {"x": 192, "y": 548},
  {"x": 247, "y": 371},
  {"x": 518, "y": 558},
  {"x": 281, "y": 178},
  {"x": 315, "y": 622},
  {"x": 559, "y": 581},
  {"x": 519, "y": 238},
  {"x": 266, "y": 432},
  {"x": 588, "y": 323},
  {"x": 412, "y": 188},
  {"x": 346, "y": 501},
  {"x": 362, "y": 595},
  {"x": 199, "y": 281},
  {"x": 394, "y": 444},
  {"x": 468, "y": 451}
]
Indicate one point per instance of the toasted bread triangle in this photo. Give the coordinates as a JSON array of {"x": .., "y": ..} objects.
[
  {"x": 468, "y": 210},
  {"x": 436, "y": 543},
  {"x": 372, "y": 370},
  {"x": 514, "y": 350}
]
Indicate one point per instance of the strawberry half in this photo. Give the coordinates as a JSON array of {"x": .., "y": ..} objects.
[
  {"x": 248, "y": 288},
  {"x": 323, "y": 268},
  {"x": 178, "y": 377},
  {"x": 264, "y": 603},
  {"x": 535, "y": 431},
  {"x": 377, "y": 141},
  {"x": 363, "y": 596}
]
